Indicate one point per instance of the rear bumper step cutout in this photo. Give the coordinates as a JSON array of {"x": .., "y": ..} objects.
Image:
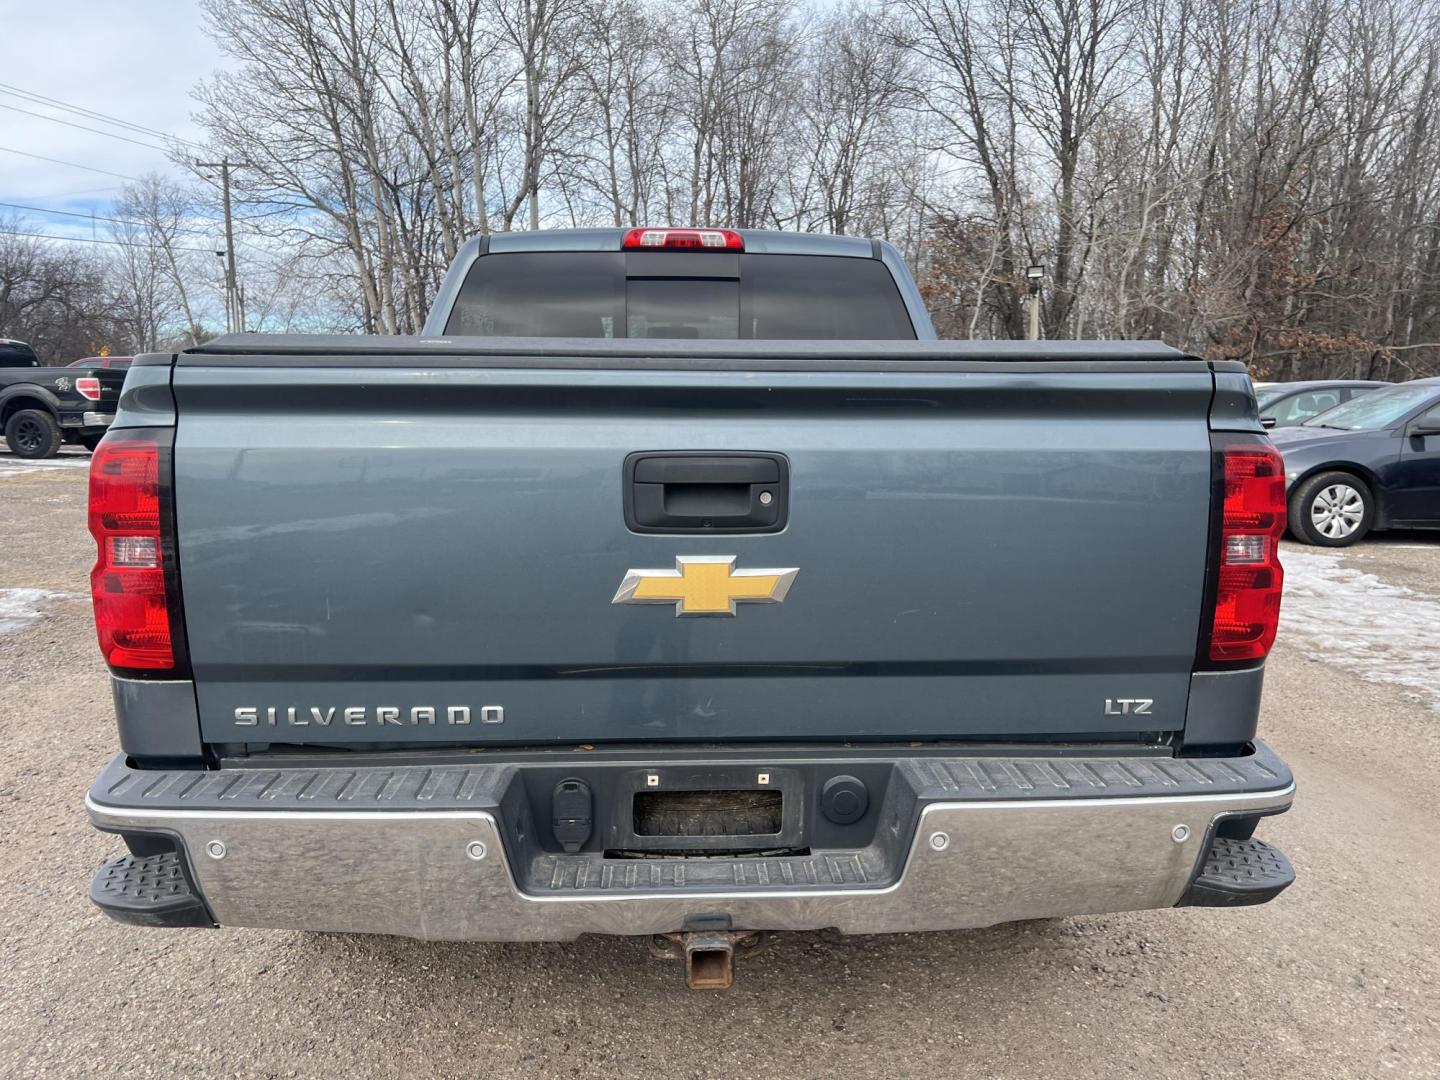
[
  {"x": 1238, "y": 873},
  {"x": 149, "y": 890}
]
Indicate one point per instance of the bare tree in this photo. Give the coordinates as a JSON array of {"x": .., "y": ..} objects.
[
  {"x": 850, "y": 121},
  {"x": 1257, "y": 179},
  {"x": 153, "y": 261},
  {"x": 541, "y": 34},
  {"x": 55, "y": 297}
]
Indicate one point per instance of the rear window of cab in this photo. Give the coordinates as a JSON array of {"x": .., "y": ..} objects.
[{"x": 599, "y": 294}]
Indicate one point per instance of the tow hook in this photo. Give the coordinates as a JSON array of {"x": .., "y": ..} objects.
[{"x": 710, "y": 954}]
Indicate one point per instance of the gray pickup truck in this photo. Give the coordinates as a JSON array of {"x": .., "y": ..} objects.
[{"x": 677, "y": 583}]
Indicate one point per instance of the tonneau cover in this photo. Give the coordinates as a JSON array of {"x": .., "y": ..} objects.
[{"x": 344, "y": 350}]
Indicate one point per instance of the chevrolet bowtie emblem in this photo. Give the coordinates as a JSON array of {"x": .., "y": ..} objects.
[{"x": 704, "y": 585}]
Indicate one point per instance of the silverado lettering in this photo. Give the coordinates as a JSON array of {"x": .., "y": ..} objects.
[{"x": 359, "y": 715}]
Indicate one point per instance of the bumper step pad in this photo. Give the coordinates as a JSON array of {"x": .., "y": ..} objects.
[
  {"x": 150, "y": 890},
  {"x": 1236, "y": 873}
]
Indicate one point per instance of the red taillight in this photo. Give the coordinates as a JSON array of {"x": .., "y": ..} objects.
[
  {"x": 88, "y": 387},
  {"x": 683, "y": 240},
  {"x": 1247, "y": 599},
  {"x": 132, "y": 615}
]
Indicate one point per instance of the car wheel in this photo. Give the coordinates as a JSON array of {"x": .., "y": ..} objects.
[
  {"x": 1332, "y": 509},
  {"x": 33, "y": 433}
]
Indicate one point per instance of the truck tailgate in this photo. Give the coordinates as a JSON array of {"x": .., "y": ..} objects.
[{"x": 413, "y": 552}]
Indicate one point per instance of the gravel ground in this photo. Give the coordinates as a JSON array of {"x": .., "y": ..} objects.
[{"x": 1338, "y": 978}]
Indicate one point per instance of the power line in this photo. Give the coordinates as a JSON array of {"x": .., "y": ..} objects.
[
  {"x": 92, "y": 114},
  {"x": 77, "y": 110},
  {"x": 82, "y": 127},
  {"x": 113, "y": 243},
  {"x": 85, "y": 191},
  {"x": 96, "y": 217},
  {"x": 71, "y": 164}
]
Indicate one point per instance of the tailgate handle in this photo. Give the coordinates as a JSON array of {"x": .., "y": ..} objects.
[{"x": 702, "y": 492}]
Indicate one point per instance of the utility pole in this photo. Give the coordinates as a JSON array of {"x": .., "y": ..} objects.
[
  {"x": 1034, "y": 274},
  {"x": 234, "y": 314}
]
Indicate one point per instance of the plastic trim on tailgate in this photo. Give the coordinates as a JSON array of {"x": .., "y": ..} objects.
[{"x": 349, "y": 786}]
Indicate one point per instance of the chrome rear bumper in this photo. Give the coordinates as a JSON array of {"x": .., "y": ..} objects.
[{"x": 448, "y": 874}]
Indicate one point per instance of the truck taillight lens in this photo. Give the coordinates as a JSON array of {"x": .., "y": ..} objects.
[
  {"x": 128, "y": 518},
  {"x": 683, "y": 240},
  {"x": 1249, "y": 577},
  {"x": 88, "y": 387}
]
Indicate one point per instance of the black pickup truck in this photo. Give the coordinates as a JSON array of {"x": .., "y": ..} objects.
[{"x": 42, "y": 408}]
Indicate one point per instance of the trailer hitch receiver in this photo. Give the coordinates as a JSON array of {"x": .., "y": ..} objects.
[{"x": 709, "y": 954}]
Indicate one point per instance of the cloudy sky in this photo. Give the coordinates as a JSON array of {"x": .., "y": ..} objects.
[{"x": 133, "y": 60}]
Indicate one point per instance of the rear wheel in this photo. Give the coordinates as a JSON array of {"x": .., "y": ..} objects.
[
  {"x": 33, "y": 433},
  {"x": 1332, "y": 509}
]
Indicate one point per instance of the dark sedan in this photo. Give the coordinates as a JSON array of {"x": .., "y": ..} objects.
[
  {"x": 1372, "y": 463},
  {"x": 1290, "y": 404}
]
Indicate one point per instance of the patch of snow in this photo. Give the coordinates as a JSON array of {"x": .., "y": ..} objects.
[
  {"x": 1383, "y": 633},
  {"x": 1384, "y": 547},
  {"x": 15, "y": 466},
  {"x": 20, "y": 607}
]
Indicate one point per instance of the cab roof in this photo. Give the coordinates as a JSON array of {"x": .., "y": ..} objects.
[{"x": 757, "y": 242}]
